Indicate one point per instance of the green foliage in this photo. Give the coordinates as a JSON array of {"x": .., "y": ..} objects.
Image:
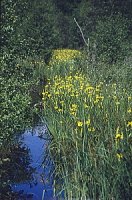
[
  {"x": 14, "y": 86},
  {"x": 11, "y": 26},
  {"x": 110, "y": 36},
  {"x": 26, "y": 30},
  {"x": 8, "y": 21},
  {"x": 86, "y": 19},
  {"x": 29, "y": 28},
  {"x": 93, "y": 15},
  {"x": 16, "y": 111},
  {"x": 41, "y": 28}
]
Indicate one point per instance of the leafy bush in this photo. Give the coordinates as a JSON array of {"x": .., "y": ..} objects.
[
  {"x": 110, "y": 36},
  {"x": 16, "y": 81}
]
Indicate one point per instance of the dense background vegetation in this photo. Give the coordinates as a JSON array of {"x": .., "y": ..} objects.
[{"x": 30, "y": 30}]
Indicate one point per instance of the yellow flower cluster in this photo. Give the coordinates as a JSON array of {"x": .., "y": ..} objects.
[
  {"x": 89, "y": 109},
  {"x": 80, "y": 124},
  {"x": 74, "y": 96},
  {"x": 70, "y": 88},
  {"x": 119, "y": 156},
  {"x": 64, "y": 55},
  {"x": 129, "y": 124}
]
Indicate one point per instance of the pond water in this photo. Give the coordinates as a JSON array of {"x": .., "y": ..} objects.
[{"x": 31, "y": 169}]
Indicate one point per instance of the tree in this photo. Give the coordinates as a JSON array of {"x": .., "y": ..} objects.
[
  {"x": 110, "y": 36},
  {"x": 41, "y": 29}
]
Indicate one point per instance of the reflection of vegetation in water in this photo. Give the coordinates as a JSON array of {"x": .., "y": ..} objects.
[
  {"x": 15, "y": 168},
  {"x": 50, "y": 176}
]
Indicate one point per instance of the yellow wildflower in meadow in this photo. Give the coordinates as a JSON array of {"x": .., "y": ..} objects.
[
  {"x": 91, "y": 129},
  {"x": 129, "y": 110},
  {"x": 119, "y": 156},
  {"x": 129, "y": 98},
  {"x": 73, "y": 109},
  {"x": 129, "y": 124},
  {"x": 87, "y": 122},
  {"x": 119, "y": 136},
  {"x": 79, "y": 124}
]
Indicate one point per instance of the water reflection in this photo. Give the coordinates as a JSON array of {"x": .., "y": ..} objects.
[{"x": 27, "y": 177}]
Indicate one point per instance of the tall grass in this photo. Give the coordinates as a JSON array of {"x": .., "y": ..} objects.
[{"x": 90, "y": 120}]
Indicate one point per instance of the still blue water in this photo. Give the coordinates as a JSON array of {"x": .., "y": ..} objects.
[{"x": 39, "y": 184}]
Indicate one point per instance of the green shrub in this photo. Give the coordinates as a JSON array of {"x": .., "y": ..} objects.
[
  {"x": 110, "y": 36},
  {"x": 16, "y": 81}
]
